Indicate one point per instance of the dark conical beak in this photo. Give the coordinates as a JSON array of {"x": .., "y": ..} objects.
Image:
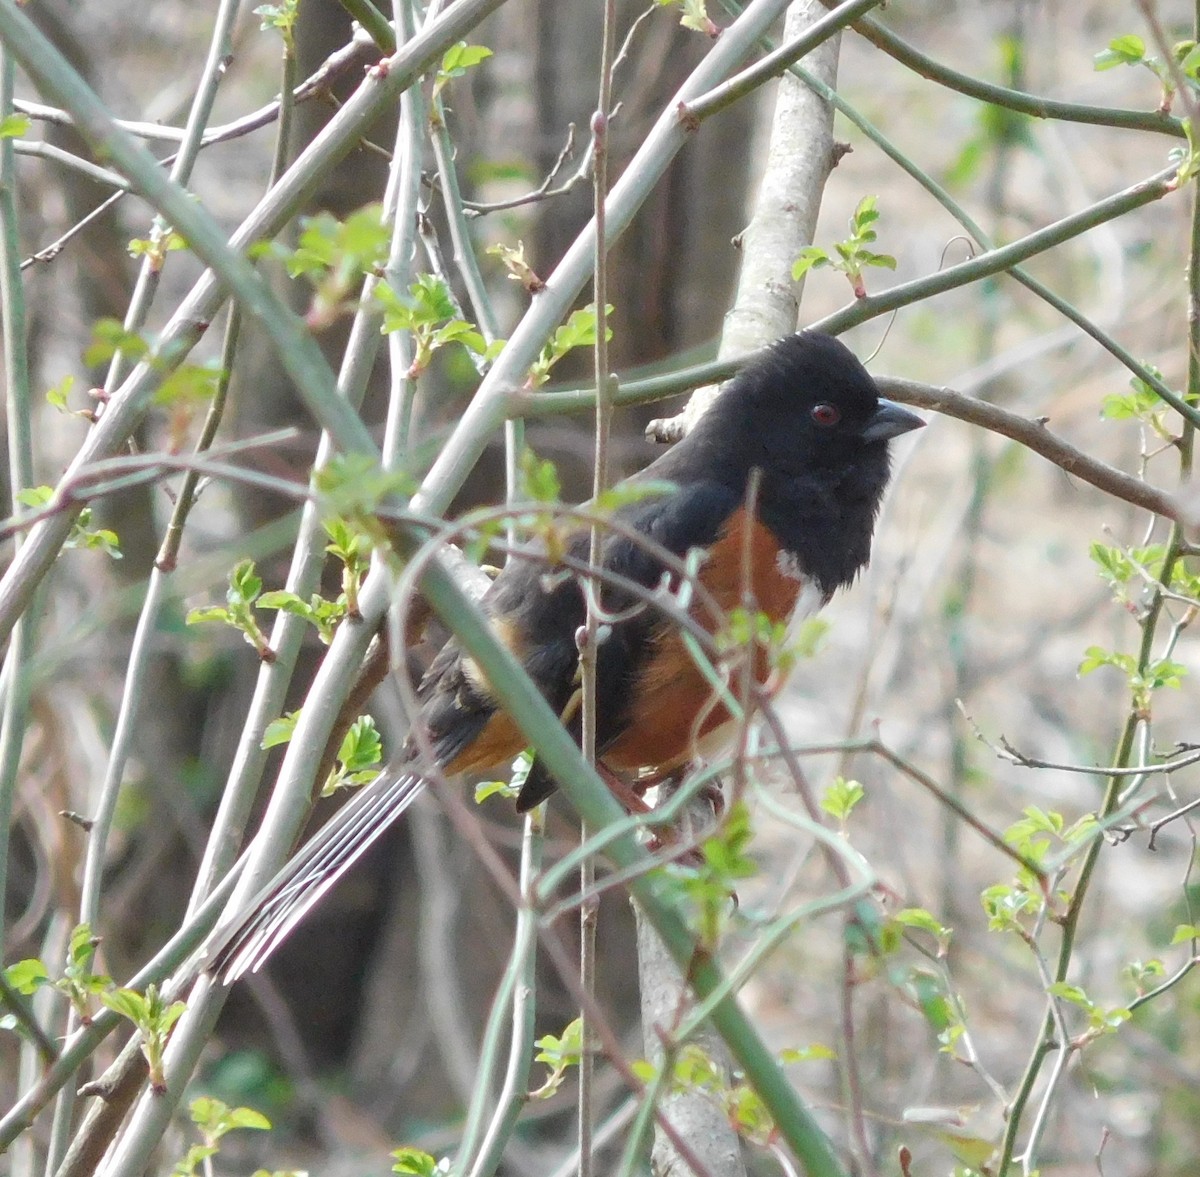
[{"x": 890, "y": 420}]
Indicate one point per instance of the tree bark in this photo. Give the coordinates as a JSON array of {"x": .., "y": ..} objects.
[{"x": 799, "y": 159}]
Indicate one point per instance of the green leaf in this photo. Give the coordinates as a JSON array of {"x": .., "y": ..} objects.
[
  {"x": 695, "y": 1070},
  {"x": 812, "y": 257},
  {"x": 191, "y": 1161},
  {"x": 129, "y": 1003},
  {"x": 317, "y": 611},
  {"x": 1185, "y": 932},
  {"x": 1164, "y": 673},
  {"x": 1125, "y": 50},
  {"x": 56, "y": 397},
  {"x": 81, "y": 946},
  {"x": 13, "y": 126},
  {"x": 27, "y": 976},
  {"x": 207, "y": 1112},
  {"x": 280, "y": 730},
  {"x": 245, "y": 584},
  {"x": 1127, "y": 406},
  {"x": 929, "y": 990},
  {"x": 341, "y": 250},
  {"x": 522, "y": 766},
  {"x": 918, "y": 917},
  {"x": 695, "y": 17},
  {"x": 157, "y": 246},
  {"x": 190, "y": 383},
  {"x": 486, "y": 789},
  {"x": 35, "y": 496},
  {"x": 512, "y": 257},
  {"x": 968, "y": 163},
  {"x": 361, "y": 746},
  {"x": 1072, "y": 993},
  {"x": 346, "y": 544},
  {"x": 248, "y": 1118},
  {"x": 110, "y": 337},
  {"x": 578, "y": 331},
  {"x": 841, "y": 797},
  {"x": 647, "y": 1072},
  {"x": 1142, "y": 971},
  {"x": 803, "y": 1054},
  {"x": 285, "y": 602},
  {"x": 457, "y": 60},
  {"x": 355, "y": 484},
  {"x": 1188, "y": 53},
  {"x": 280, "y": 17},
  {"x": 564, "y": 1050},
  {"x": 539, "y": 478},
  {"x": 1112, "y": 562},
  {"x": 414, "y": 1162},
  {"x": 866, "y": 213},
  {"x": 461, "y": 332},
  {"x": 749, "y": 1114},
  {"x": 725, "y": 852},
  {"x": 207, "y": 613},
  {"x": 1005, "y": 905},
  {"x": 559, "y": 1054},
  {"x": 93, "y": 538},
  {"x": 627, "y": 493},
  {"x": 1096, "y": 656}
]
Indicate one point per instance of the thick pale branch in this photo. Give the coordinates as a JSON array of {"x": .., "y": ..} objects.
[{"x": 1034, "y": 435}]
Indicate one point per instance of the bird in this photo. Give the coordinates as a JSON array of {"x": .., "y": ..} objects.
[{"x": 780, "y": 481}]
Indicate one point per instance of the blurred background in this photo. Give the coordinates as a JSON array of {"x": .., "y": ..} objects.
[{"x": 970, "y": 625}]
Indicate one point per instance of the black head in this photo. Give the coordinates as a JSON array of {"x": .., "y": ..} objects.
[
  {"x": 806, "y": 403},
  {"x": 808, "y": 415}
]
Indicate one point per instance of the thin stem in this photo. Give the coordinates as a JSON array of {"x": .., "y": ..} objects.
[
  {"x": 18, "y": 418},
  {"x": 375, "y": 23},
  {"x": 340, "y": 136},
  {"x": 589, "y": 909},
  {"x": 494, "y": 398},
  {"x": 523, "y": 996},
  {"x": 146, "y": 633},
  {"x": 593, "y": 801},
  {"x": 132, "y": 697},
  {"x": 1070, "y": 922},
  {"x": 1030, "y": 104},
  {"x": 406, "y": 166},
  {"x": 74, "y": 163},
  {"x": 1082, "y": 321},
  {"x": 26, "y": 1018},
  {"x": 1033, "y": 434},
  {"x": 288, "y": 632},
  {"x": 1003, "y": 258},
  {"x": 80, "y": 1047},
  {"x": 14, "y": 329},
  {"x": 777, "y": 61},
  {"x": 220, "y": 49}
]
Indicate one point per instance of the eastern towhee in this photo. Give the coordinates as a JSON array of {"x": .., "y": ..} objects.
[{"x": 807, "y": 416}]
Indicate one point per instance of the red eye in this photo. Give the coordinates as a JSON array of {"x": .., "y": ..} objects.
[{"x": 825, "y": 414}]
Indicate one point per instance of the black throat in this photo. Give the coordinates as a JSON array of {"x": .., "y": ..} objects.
[{"x": 826, "y": 517}]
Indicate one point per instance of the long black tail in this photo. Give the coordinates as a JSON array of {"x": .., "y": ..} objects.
[{"x": 244, "y": 944}]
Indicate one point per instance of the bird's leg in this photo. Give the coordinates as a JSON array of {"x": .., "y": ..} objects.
[
  {"x": 623, "y": 791},
  {"x": 692, "y": 824}
]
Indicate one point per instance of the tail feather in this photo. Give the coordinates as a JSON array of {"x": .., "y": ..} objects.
[{"x": 244, "y": 945}]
